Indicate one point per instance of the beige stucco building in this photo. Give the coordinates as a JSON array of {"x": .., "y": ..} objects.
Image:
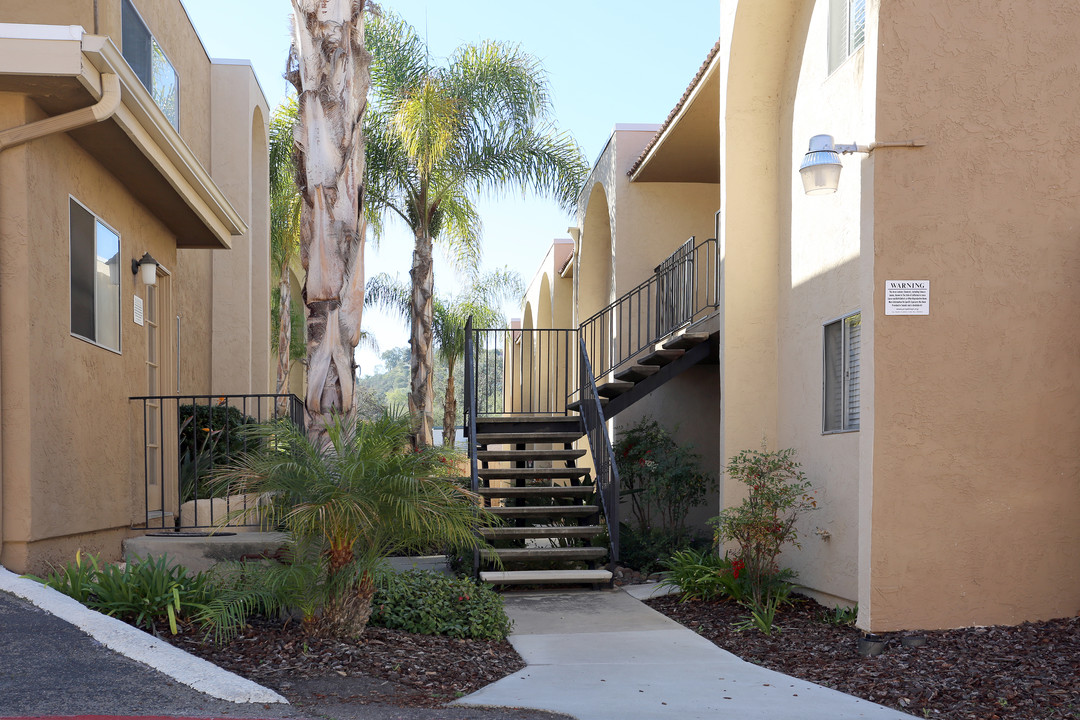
[
  {"x": 119, "y": 136},
  {"x": 942, "y": 444}
]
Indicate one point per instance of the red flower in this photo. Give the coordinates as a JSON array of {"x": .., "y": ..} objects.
[{"x": 737, "y": 567}]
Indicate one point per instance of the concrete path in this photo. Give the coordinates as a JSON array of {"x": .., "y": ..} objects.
[{"x": 606, "y": 655}]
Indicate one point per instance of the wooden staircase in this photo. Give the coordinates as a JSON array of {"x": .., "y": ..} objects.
[{"x": 529, "y": 477}]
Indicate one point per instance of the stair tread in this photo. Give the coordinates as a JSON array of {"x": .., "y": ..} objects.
[
  {"x": 537, "y": 531},
  {"x": 614, "y": 388},
  {"x": 545, "y": 511},
  {"x": 526, "y": 438},
  {"x": 525, "y": 418},
  {"x": 576, "y": 405},
  {"x": 662, "y": 357},
  {"x": 526, "y": 473},
  {"x": 529, "y": 454},
  {"x": 571, "y": 491},
  {"x": 553, "y": 553},
  {"x": 685, "y": 341},
  {"x": 507, "y": 577},
  {"x": 637, "y": 373}
]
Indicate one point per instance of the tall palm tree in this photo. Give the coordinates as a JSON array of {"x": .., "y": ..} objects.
[
  {"x": 284, "y": 229},
  {"x": 329, "y": 68},
  {"x": 480, "y": 300},
  {"x": 438, "y": 136}
]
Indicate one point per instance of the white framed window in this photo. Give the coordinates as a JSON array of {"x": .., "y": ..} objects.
[
  {"x": 840, "y": 396},
  {"x": 847, "y": 29},
  {"x": 95, "y": 278},
  {"x": 147, "y": 59}
]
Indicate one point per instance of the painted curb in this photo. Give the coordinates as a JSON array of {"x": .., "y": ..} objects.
[{"x": 142, "y": 647}]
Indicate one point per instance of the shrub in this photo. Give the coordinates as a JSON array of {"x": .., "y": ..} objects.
[
  {"x": 432, "y": 603},
  {"x": 209, "y": 437},
  {"x": 778, "y": 493},
  {"x": 144, "y": 593},
  {"x": 645, "y": 550},
  {"x": 662, "y": 481},
  {"x": 705, "y": 575}
]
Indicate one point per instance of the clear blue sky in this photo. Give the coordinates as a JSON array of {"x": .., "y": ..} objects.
[{"x": 608, "y": 61}]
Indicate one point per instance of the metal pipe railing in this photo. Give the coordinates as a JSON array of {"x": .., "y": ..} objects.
[
  {"x": 185, "y": 439},
  {"x": 608, "y": 484},
  {"x": 521, "y": 372},
  {"x": 684, "y": 288}
]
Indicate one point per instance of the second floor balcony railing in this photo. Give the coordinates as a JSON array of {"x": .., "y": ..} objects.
[{"x": 684, "y": 288}]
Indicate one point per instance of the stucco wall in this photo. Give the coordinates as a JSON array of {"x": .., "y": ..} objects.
[
  {"x": 819, "y": 281},
  {"x": 976, "y": 505}
]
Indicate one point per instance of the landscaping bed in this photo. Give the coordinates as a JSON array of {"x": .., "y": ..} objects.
[
  {"x": 1027, "y": 672},
  {"x": 383, "y": 666}
]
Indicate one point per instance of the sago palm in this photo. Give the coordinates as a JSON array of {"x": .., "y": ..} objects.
[
  {"x": 437, "y": 137},
  {"x": 356, "y": 498}
]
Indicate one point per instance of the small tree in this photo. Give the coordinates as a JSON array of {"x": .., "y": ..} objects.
[
  {"x": 778, "y": 492},
  {"x": 350, "y": 502}
]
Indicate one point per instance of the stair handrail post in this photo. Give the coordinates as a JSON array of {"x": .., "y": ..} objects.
[
  {"x": 607, "y": 472},
  {"x": 470, "y": 402}
]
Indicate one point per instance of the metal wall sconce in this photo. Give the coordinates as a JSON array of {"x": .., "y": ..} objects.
[
  {"x": 821, "y": 166},
  {"x": 148, "y": 266}
]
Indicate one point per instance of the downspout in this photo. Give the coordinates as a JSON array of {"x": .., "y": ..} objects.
[{"x": 102, "y": 110}]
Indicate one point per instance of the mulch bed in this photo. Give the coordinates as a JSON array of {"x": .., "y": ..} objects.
[
  {"x": 1031, "y": 671},
  {"x": 384, "y": 666}
]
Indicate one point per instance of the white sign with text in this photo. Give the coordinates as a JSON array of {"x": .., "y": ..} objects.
[{"x": 907, "y": 297}]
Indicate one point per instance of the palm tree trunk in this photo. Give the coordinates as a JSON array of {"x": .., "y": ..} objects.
[
  {"x": 284, "y": 330},
  {"x": 421, "y": 357},
  {"x": 331, "y": 79},
  {"x": 449, "y": 406}
]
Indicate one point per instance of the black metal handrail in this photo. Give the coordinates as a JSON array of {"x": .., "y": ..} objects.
[
  {"x": 683, "y": 289},
  {"x": 185, "y": 438},
  {"x": 469, "y": 404},
  {"x": 522, "y": 372},
  {"x": 607, "y": 472}
]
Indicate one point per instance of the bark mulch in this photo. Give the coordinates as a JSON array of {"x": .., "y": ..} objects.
[
  {"x": 382, "y": 667},
  {"x": 1027, "y": 672}
]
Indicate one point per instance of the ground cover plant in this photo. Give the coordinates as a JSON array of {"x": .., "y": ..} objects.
[
  {"x": 433, "y": 603},
  {"x": 150, "y": 594}
]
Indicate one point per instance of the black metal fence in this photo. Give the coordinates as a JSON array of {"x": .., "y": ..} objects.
[
  {"x": 520, "y": 372},
  {"x": 606, "y": 472},
  {"x": 684, "y": 288},
  {"x": 185, "y": 439}
]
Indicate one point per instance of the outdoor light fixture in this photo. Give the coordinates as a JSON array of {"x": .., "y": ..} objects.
[
  {"x": 821, "y": 166},
  {"x": 149, "y": 268}
]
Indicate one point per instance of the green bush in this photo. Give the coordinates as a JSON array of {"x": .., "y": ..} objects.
[
  {"x": 144, "y": 593},
  {"x": 210, "y": 436},
  {"x": 662, "y": 479},
  {"x": 705, "y": 575},
  {"x": 432, "y": 603},
  {"x": 645, "y": 550}
]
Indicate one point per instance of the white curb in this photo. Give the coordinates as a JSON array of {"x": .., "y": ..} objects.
[{"x": 140, "y": 646}]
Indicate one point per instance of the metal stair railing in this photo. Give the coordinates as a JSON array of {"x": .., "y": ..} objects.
[
  {"x": 470, "y": 404},
  {"x": 608, "y": 484},
  {"x": 684, "y": 288}
]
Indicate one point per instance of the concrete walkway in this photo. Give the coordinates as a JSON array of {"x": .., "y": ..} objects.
[{"x": 606, "y": 655}]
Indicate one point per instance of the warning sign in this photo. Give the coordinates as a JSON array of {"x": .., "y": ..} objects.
[{"x": 907, "y": 297}]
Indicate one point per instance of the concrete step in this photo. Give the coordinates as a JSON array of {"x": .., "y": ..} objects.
[
  {"x": 552, "y": 532},
  {"x": 531, "y": 473},
  {"x": 529, "y": 454},
  {"x": 527, "y": 438},
  {"x": 685, "y": 341},
  {"x": 579, "y": 491},
  {"x": 637, "y": 373},
  {"x": 552, "y": 553},
  {"x": 549, "y": 577},
  {"x": 545, "y": 511}
]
